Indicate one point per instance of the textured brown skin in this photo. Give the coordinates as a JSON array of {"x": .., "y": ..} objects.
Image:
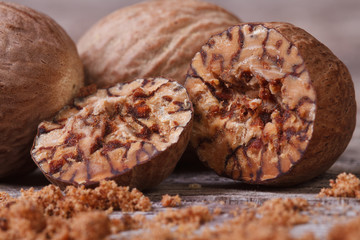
[
  {"x": 335, "y": 117},
  {"x": 154, "y": 38},
  {"x": 40, "y": 72}
]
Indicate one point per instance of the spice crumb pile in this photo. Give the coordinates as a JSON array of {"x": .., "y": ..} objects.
[
  {"x": 76, "y": 213},
  {"x": 170, "y": 201},
  {"x": 284, "y": 212},
  {"x": 107, "y": 196},
  {"x": 79, "y": 213},
  {"x": 345, "y": 185},
  {"x": 265, "y": 222}
]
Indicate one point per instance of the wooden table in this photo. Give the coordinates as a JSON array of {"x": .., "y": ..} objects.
[{"x": 335, "y": 23}]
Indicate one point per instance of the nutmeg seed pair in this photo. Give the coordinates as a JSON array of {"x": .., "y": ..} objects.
[
  {"x": 272, "y": 104},
  {"x": 73, "y": 162}
]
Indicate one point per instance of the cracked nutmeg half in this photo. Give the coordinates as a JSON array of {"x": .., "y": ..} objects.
[
  {"x": 272, "y": 104},
  {"x": 133, "y": 133}
]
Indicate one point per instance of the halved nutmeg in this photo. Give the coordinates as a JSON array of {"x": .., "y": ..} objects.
[
  {"x": 272, "y": 104},
  {"x": 133, "y": 133}
]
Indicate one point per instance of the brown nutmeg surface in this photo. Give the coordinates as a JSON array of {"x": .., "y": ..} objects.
[
  {"x": 272, "y": 104},
  {"x": 133, "y": 133},
  {"x": 40, "y": 72},
  {"x": 153, "y": 38}
]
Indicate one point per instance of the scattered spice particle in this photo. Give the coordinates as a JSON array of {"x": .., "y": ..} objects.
[
  {"x": 345, "y": 185},
  {"x": 194, "y": 186},
  {"x": 25, "y": 219},
  {"x": 175, "y": 223},
  {"x": 93, "y": 225},
  {"x": 235, "y": 212},
  {"x": 170, "y": 201},
  {"x": 245, "y": 226},
  {"x": 248, "y": 226},
  {"x": 251, "y": 205},
  {"x": 285, "y": 212},
  {"x": 74, "y": 214},
  {"x": 318, "y": 204},
  {"x": 195, "y": 215},
  {"x": 346, "y": 231},
  {"x": 217, "y": 211},
  {"x": 158, "y": 233},
  {"x": 4, "y": 199},
  {"x": 263, "y": 223},
  {"x": 127, "y": 223}
]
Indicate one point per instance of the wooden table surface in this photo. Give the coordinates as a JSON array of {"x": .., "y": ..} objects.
[{"x": 335, "y": 23}]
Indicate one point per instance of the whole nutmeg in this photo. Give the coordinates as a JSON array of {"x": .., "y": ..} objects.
[
  {"x": 154, "y": 38},
  {"x": 40, "y": 72},
  {"x": 272, "y": 104}
]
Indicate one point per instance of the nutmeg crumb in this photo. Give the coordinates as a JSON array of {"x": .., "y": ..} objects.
[
  {"x": 217, "y": 211},
  {"x": 74, "y": 214},
  {"x": 345, "y": 185},
  {"x": 5, "y": 198},
  {"x": 346, "y": 231},
  {"x": 51, "y": 214},
  {"x": 127, "y": 223},
  {"x": 170, "y": 201},
  {"x": 249, "y": 224},
  {"x": 285, "y": 212},
  {"x": 25, "y": 219},
  {"x": 194, "y": 186},
  {"x": 250, "y": 227},
  {"x": 107, "y": 196},
  {"x": 195, "y": 215}
]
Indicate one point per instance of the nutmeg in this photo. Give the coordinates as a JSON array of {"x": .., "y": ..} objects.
[
  {"x": 150, "y": 39},
  {"x": 133, "y": 133},
  {"x": 272, "y": 104},
  {"x": 40, "y": 72}
]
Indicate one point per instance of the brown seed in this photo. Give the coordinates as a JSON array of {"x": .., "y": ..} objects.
[
  {"x": 289, "y": 110},
  {"x": 115, "y": 134},
  {"x": 153, "y": 38},
  {"x": 40, "y": 72}
]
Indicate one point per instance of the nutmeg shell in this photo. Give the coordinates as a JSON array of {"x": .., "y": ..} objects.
[
  {"x": 149, "y": 39},
  {"x": 40, "y": 72}
]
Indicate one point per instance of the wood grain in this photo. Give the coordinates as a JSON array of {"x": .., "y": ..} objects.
[{"x": 335, "y": 23}]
